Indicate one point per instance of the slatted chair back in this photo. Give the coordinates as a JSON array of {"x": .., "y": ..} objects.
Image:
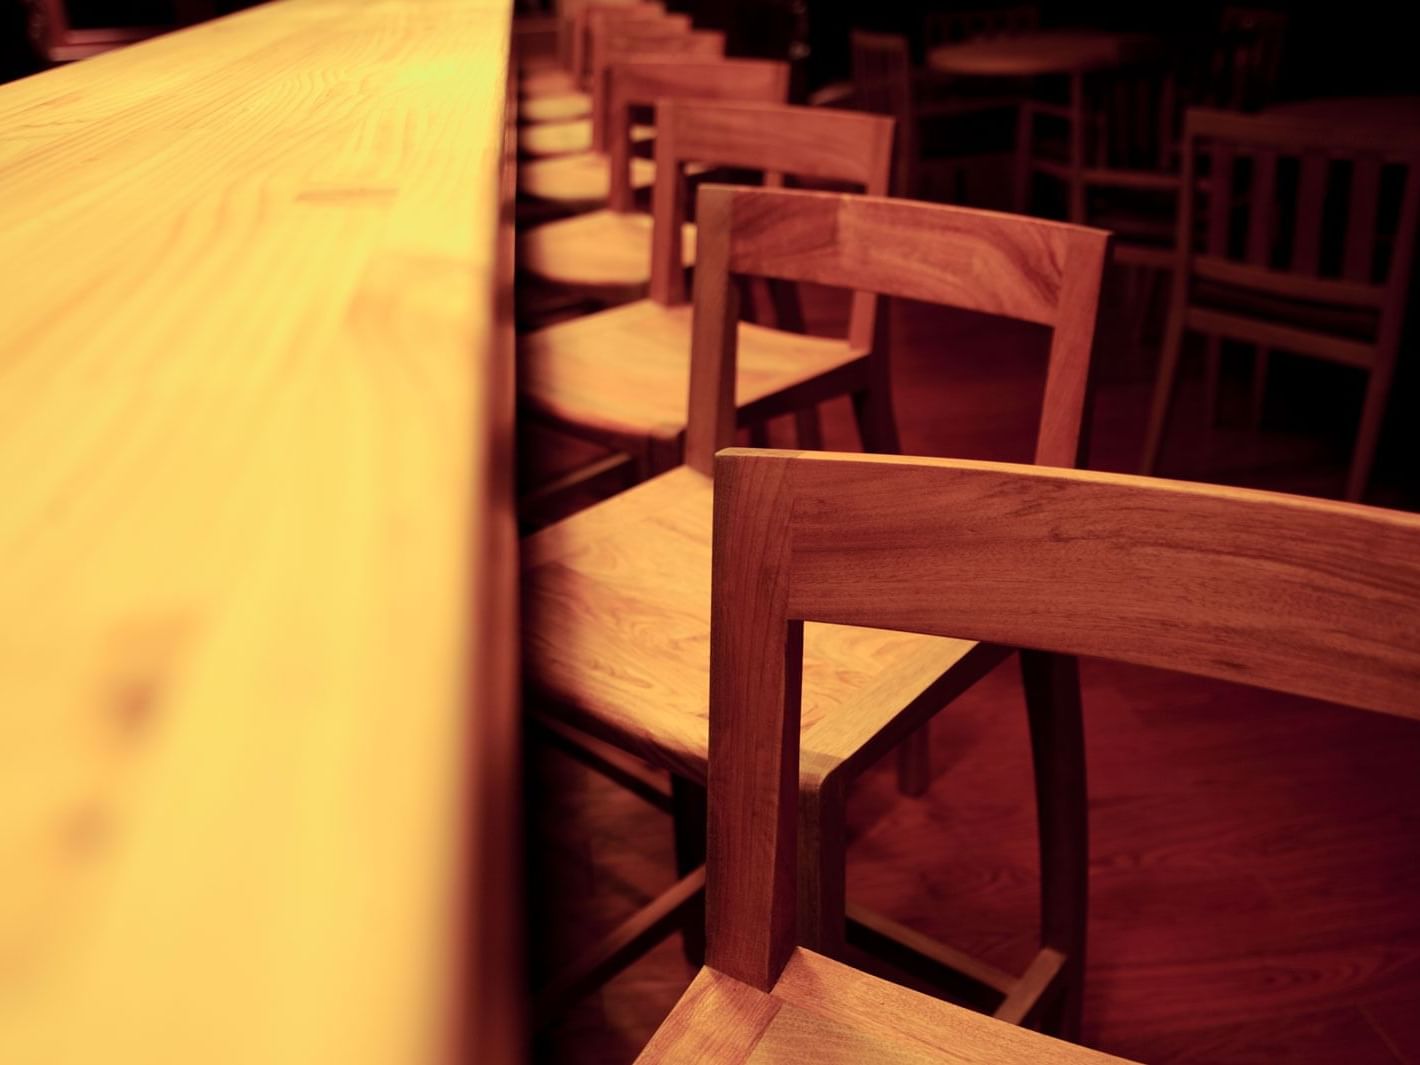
[
  {"x": 1299, "y": 215},
  {"x": 955, "y": 27},
  {"x": 882, "y": 84},
  {"x": 780, "y": 141},
  {"x": 646, "y": 41},
  {"x": 1009, "y": 265},
  {"x": 1245, "y": 63},
  {"x": 1297, "y": 595},
  {"x": 641, "y": 83}
]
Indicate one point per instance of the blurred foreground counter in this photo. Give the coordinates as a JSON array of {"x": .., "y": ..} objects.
[{"x": 258, "y": 790}]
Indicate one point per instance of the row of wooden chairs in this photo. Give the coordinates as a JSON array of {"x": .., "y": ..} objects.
[{"x": 629, "y": 641}]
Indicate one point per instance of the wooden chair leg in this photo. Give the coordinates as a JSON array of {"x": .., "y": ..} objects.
[
  {"x": 1163, "y": 391},
  {"x": 1367, "y": 436},
  {"x": 823, "y": 901},
  {"x": 914, "y": 763},
  {"x": 1052, "y": 690},
  {"x": 1259, "y": 386},
  {"x": 688, "y": 812},
  {"x": 808, "y": 429}
]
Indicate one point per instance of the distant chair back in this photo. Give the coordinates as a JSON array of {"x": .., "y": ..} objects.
[
  {"x": 1245, "y": 64},
  {"x": 957, "y": 26},
  {"x": 59, "y": 41},
  {"x": 1009, "y": 265},
  {"x": 1296, "y": 595},
  {"x": 588, "y": 18},
  {"x": 1295, "y": 234},
  {"x": 645, "y": 41},
  {"x": 780, "y": 141},
  {"x": 882, "y": 84},
  {"x": 641, "y": 83}
]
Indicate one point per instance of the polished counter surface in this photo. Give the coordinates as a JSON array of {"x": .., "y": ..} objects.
[{"x": 257, "y": 626}]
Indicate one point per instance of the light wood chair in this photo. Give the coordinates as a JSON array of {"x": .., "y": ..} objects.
[
  {"x": 1256, "y": 264},
  {"x": 545, "y": 104},
  {"x": 1065, "y": 563},
  {"x": 617, "y": 596},
  {"x": 885, "y": 83},
  {"x": 605, "y": 253},
  {"x": 619, "y": 377},
  {"x": 642, "y": 41}
]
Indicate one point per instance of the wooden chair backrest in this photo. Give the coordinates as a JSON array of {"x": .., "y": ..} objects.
[
  {"x": 954, "y": 27},
  {"x": 1010, "y": 265},
  {"x": 641, "y": 41},
  {"x": 641, "y": 83},
  {"x": 588, "y": 17},
  {"x": 1246, "y": 61},
  {"x": 1133, "y": 118},
  {"x": 1268, "y": 190},
  {"x": 1298, "y": 595},
  {"x": 781, "y": 141}
]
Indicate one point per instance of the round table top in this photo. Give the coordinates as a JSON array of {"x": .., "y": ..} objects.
[
  {"x": 1043, "y": 52},
  {"x": 1398, "y": 113}
]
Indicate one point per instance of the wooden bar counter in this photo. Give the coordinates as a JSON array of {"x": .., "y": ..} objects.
[{"x": 258, "y": 767}]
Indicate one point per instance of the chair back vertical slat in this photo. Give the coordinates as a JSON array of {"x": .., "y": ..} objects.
[
  {"x": 1358, "y": 258},
  {"x": 1311, "y": 201},
  {"x": 1261, "y": 222}
]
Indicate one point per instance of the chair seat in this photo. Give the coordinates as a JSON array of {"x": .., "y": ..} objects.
[
  {"x": 578, "y": 180},
  {"x": 626, "y": 371},
  {"x": 824, "y": 1012},
  {"x": 618, "y": 636},
  {"x": 548, "y": 95},
  {"x": 599, "y": 249},
  {"x": 565, "y": 138}
]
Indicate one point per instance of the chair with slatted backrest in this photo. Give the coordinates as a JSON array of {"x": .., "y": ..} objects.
[
  {"x": 605, "y": 254},
  {"x": 1298, "y": 235},
  {"x": 885, "y": 83},
  {"x": 617, "y": 595},
  {"x": 1184, "y": 577}
]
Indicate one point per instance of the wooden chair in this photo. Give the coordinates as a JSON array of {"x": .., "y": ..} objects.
[
  {"x": 885, "y": 83},
  {"x": 619, "y": 377},
  {"x": 617, "y": 596},
  {"x": 1185, "y": 577},
  {"x": 607, "y": 253},
  {"x": 1256, "y": 261},
  {"x": 57, "y": 41},
  {"x": 564, "y": 95},
  {"x": 640, "y": 42}
]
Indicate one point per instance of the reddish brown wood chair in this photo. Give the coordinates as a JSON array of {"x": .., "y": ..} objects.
[
  {"x": 642, "y": 41},
  {"x": 606, "y": 253},
  {"x": 617, "y": 596},
  {"x": 1256, "y": 261},
  {"x": 1066, "y": 563},
  {"x": 619, "y": 377}
]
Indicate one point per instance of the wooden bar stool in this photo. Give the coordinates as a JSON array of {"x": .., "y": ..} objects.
[
  {"x": 616, "y": 598},
  {"x": 606, "y": 253},
  {"x": 620, "y": 377},
  {"x": 1255, "y": 261},
  {"x": 1186, "y": 577}
]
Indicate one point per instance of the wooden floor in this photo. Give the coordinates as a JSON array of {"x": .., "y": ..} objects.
[{"x": 1256, "y": 858}]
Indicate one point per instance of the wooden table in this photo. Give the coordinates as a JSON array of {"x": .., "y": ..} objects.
[
  {"x": 257, "y": 629},
  {"x": 1049, "y": 53}
]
